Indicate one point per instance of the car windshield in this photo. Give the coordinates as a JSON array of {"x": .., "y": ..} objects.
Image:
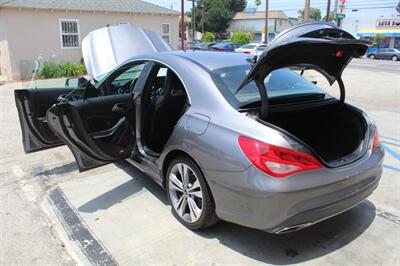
[{"x": 283, "y": 85}]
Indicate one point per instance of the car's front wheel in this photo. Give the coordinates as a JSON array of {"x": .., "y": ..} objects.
[
  {"x": 372, "y": 56},
  {"x": 394, "y": 58},
  {"x": 189, "y": 195}
]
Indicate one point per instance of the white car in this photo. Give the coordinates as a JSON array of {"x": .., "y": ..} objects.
[{"x": 251, "y": 48}]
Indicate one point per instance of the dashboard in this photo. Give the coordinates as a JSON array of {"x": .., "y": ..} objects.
[{"x": 122, "y": 86}]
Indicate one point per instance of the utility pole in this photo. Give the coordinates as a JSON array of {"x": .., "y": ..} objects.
[
  {"x": 328, "y": 11},
  {"x": 336, "y": 11},
  {"x": 266, "y": 33},
  {"x": 193, "y": 21},
  {"x": 182, "y": 25},
  {"x": 202, "y": 20},
  {"x": 307, "y": 10}
]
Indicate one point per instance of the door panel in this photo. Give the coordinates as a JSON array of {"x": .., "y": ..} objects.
[
  {"x": 32, "y": 105},
  {"x": 94, "y": 129}
]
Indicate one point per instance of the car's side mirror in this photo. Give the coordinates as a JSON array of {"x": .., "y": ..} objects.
[{"x": 75, "y": 82}]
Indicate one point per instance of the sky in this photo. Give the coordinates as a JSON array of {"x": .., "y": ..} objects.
[{"x": 366, "y": 8}]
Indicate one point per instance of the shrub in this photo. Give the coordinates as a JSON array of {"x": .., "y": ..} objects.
[
  {"x": 49, "y": 71},
  {"x": 208, "y": 37},
  {"x": 71, "y": 70},
  {"x": 241, "y": 37},
  {"x": 67, "y": 69}
]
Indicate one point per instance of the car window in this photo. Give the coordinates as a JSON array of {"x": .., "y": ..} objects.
[
  {"x": 281, "y": 84},
  {"x": 248, "y": 46},
  {"x": 122, "y": 83},
  {"x": 261, "y": 47}
]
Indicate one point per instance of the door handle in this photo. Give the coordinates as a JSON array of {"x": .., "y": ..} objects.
[
  {"x": 121, "y": 107},
  {"x": 108, "y": 132}
]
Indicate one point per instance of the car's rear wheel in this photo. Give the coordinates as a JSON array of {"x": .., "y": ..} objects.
[
  {"x": 189, "y": 194},
  {"x": 372, "y": 56},
  {"x": 394, "y": 58}
]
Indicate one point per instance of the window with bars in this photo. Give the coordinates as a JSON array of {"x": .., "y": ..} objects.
[
  {"x": 69, "y": 33},
  {"x": 166, "y": 32}
]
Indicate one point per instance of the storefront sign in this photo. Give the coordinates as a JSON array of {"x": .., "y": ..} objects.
[{"x": 388, "y": 23}]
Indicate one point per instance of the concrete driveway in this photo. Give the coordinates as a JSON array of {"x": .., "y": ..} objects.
[{"x": 51, "y": 214}]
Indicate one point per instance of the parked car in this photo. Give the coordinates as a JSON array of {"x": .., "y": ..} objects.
[
  {"x": 251, "y": 48},
  {"x": 193, "y": 44},
  {"x": 251, "y": 143},
  {"x": 203, "y": 46},
  {"x": 260, "y": 49},
  {"x": 225, "y": 46},
  {"x": 385, "y": 53}
]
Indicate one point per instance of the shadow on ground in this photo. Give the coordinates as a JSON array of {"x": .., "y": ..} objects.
[
  {"x": 59, "y": 170},
  {"x": 138, "y": 184},
  {"x": 302, "y": 246},
  {"x": 316, "y": 241}
]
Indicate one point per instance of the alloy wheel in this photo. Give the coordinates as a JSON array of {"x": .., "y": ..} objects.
[
  {"x": 394, "y": 58},
  {"x": 185, "y": 192}
]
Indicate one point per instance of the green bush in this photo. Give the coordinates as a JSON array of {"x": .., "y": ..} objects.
[
  {"x": 50, "y": 70},
  {"x": 241, "y": 37},
  {"x": 208, "y": 37}
]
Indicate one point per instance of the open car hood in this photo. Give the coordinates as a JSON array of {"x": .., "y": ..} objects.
[
  {"x": 104, "y": 49},
  {"x": 318, "y": 45}
]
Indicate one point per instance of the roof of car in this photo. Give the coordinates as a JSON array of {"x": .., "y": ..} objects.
[{"x": 213, "y": 60}]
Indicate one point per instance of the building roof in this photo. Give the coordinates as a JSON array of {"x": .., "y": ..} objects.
[
  {"x": 130, "y": 6},
  {"x": 279, "y": 14}
]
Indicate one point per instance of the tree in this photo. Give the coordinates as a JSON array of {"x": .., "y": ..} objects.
[
  {"x": 238, "y": 5},
  {"x": 315, "y": 14},
  {"x": 241, "y": 37},
  {"x": 208, "y": 37},
  {"x": 332, "y": 16},
  {"x": 378, "y": 39},
  {"x": 257, "y": 3},
  {"x": 217, "y": 14}
]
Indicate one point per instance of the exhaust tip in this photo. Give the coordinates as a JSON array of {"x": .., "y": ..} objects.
[{"x": 293, "y": 228}]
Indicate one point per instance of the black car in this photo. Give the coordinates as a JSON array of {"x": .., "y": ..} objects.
[{"x": 385, "y": 53}]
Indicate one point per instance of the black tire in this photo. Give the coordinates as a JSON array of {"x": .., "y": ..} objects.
[
  {"x": 208, "y": 216},
  {"x": 395, "y": 58},
  {"x": 372, "y": 56}
]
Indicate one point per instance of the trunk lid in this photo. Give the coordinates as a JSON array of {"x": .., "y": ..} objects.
[
  {"x": 318, "y": 45},
  {"x": 104, "y": 49}
]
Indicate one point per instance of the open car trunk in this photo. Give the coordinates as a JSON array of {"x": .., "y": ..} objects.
[{"x": 335, "y": 132}]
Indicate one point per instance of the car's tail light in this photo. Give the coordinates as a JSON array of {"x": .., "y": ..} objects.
[
  {"x": 247, "y": 52},
  {"x": 277, "y": 161},
  {"x": 376, "y": 142}
]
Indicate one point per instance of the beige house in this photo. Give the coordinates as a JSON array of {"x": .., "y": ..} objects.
[
  {"x": 52, "y": 30},
  {"x": 253, "y": 21}
]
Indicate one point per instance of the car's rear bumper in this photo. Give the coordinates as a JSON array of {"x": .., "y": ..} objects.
[
  {"x": 320, "y": 213},
  {"x": 253, "y": 199}
]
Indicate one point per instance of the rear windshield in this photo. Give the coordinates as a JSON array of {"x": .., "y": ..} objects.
[{"x": 283, "y": 86}]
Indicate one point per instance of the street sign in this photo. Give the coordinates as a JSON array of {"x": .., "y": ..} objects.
[{"x": 340, "y": 16}]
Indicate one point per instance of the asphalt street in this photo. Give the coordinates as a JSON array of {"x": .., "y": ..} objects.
[
  {"x": 52, "y": 215},
  {"x": 375, "y": 65}
]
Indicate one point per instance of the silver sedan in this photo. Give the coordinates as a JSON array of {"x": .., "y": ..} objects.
[{"x": 245, "y": 140}]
